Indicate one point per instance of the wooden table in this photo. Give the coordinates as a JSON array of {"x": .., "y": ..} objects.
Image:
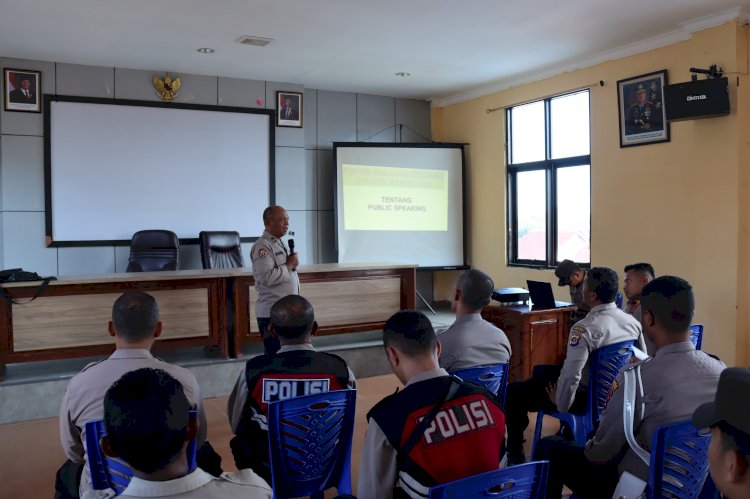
[
  {"x": 536, "y": 336},
  {"x": 214, "y": 309}
]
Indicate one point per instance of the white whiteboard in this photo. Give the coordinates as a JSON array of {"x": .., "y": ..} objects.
[{"x": 115, "y": 169}]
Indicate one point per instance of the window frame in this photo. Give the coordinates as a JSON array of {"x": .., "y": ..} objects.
[{"x": 550, "y": 167}]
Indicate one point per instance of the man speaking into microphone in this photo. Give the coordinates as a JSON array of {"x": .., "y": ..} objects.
[{"x": 274, "y": 270}]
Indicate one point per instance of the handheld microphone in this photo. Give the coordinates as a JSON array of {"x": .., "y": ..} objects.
[{"x": 291, "y": 246}]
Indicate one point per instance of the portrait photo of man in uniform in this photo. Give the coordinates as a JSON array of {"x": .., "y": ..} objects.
[
  {"x": 641, "y": 109},
  {"x": 289, "y": 109},
  {"x": 22, "y": 90}
]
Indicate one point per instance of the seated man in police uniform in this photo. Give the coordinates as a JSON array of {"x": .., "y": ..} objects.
[
  {"x": 146, "y": 417},
  {"x": 472, "y": 341},
  {"x": 637, "y": 275},
  {"x": 571, "y": 275},
  {"x": 729, "y": 453},
  {"x": 562, "y": 388},
  {"x": 266, "y": 378},
  {"x": 437, "y": 429},
  {"x": 675, "y": 381}
]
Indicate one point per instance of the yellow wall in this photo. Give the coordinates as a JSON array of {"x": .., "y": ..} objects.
[{"x": 681, "y": 205}]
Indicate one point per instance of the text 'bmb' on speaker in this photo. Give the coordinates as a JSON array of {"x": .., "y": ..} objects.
[{"x": 696, "y": 99}]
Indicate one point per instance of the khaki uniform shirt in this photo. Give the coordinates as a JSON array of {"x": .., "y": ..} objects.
[
  {"x": 84, "y": 398},
  {"x": 604, "y": 325},
  {"x": 197, "y": 485},
  {"x": 472, "y": 341},
  {"x": 676, "y": 381},
  {"x": 273, "y": 279}
]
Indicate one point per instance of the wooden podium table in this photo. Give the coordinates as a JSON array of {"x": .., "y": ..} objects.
[
  {"x": 214, "y": 309},
  {"x": 536, "y": 336}
]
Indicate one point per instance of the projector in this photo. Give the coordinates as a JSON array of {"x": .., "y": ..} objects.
[{"x": 696, "y": 99}]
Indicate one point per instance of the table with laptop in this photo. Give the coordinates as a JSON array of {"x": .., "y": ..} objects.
[{"x": 536, "y": 324}]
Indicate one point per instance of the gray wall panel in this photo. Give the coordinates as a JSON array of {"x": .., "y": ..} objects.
[
  {"x": 24, "y": 123},
  {"x": 286, "y": 136},
  {"x": 337, "y": 118},
  {"x": 197, "y": 89},
  {"x": 326, "y": 237},
  {"x": 86, "y": 81},
  {"x": 85, "y": 261},
  {"x": 22, "y": 168},
  {"x": 242, "y": 93},
  {"x": 376, "y": 118},
  {"x": 295, "y": 183},
  {"x": 190, "y": 257},
  {"x": 304, "y": 225},
  {"x": 310, "y": 114},
  {"x": 415, "y": 116},
  {"x": 326, "y": 179},
  {"x": 23, "y": 242},
  {"x": 135, "y": 84}
]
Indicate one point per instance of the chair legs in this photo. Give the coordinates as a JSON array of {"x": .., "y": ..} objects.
[{"x": 575, "y": 423}]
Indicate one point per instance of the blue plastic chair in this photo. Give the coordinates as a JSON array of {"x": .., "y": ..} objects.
[
  {"x": 618, "y": 300},
  {"x": 110, "y": 472},
  {"x": 679, "y": 462},
  {"x": 493, "y": 378},
  {"x": 310, "y": 444},
  {"x": 525, "y": 481},
  {"x": 604, "y": 365},
  {"x": 696, "y": 335}
]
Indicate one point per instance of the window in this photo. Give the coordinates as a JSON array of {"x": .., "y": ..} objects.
[{"x": 549, "y": 181}]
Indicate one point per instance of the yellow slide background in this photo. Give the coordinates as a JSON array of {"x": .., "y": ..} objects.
[{"x": 387, "y": 198}]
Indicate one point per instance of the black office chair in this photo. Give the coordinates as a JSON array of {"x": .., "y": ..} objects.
[
  {"x": 153, "y": 250},
  {"x": 221, "y": 250}
]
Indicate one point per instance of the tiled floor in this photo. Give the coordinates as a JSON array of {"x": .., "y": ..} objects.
[{"x": 30, "y": 452}]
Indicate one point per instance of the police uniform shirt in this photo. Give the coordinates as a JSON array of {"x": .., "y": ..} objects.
[
  {"x": 273, "y": 279},
  {"x": 576, "y": 296},
  {"x": 604, "y": 325},
  {"x": 464, "y": 438},
  {"x": 196, "y": 485},
  {"x": 676, "y": 381},
  {"x": 241, "y": 395},
  {"x": 84, "y": 398},
  {"x": 472, "y": 341}
]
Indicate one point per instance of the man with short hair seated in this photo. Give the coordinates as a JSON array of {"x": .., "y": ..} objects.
[
  {"x": 146, "y": 417},
  {"x": 675, "y": 381},
  {"x": 562, "y": 388},
  {"x": 637, "y": 275},
  {"x": 135, "y": 325},
  {"x": 472, "y": 341},
  {"x": 729, "y": 453},
  {"x": 296, "y": 369},
  {"x": 437, "y": 429}
]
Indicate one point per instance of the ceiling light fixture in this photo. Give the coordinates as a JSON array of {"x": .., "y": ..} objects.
[
  {"x": 402, "y": 74},
  {"x": 206, "y": 50}
]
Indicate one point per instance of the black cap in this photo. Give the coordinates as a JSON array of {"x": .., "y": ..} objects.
[
  {"x": 730, "y": 404},
  {"x": 564, "y": 271}
]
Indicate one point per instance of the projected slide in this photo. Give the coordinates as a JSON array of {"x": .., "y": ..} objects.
[
  {"x": 386, "y": 198},
  {"x": 400, "y": 203}
]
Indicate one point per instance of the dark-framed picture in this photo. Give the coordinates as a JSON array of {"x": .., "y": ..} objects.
[
  {"x": 289, "y": 109},
  {"x": 23, "y": 90},
  {"x": 640, "y": 100}
]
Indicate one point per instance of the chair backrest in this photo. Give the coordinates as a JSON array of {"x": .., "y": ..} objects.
[
  {"x": 221, "y": 250},
  {"x": 679, "y": 461},
  {"x": 525, "y": 481},
  {"x": 153, "y": 250},
  {"x": 605, "y": 363},
  {"x": 110, "y": 472},
  {"x": 310, "y": 443},
  {"x": 618, "y": 300},
  {"x": 696, "y": 335},
  {"x": 494, "y": 378}
]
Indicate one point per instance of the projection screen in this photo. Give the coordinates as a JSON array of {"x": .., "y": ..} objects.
[
  {"x": 400, "y": 203},
  {"x": 115, "y": 167}
]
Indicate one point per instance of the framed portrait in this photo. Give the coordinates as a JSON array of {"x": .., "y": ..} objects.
[
  {"x": 640, "y": 100},
  {"x": 289, "y": 109},
  {"x": 22, "y": 90}
]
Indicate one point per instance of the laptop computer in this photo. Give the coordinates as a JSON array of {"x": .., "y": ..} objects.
[{"x": 542, "y": 297}]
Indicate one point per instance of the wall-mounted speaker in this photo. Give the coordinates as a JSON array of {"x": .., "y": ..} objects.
[{"x": 696, "y": 99}]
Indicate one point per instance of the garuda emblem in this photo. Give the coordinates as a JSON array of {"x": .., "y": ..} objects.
[{"x": 167, "y": 88}]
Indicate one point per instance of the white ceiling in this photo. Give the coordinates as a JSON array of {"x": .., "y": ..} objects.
[{"x": 454, "y": 49}]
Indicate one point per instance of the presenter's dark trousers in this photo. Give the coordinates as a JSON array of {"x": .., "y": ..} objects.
[
  {"x": 568, "y": 466},
  {"x": 271, "y": 345},
  {"x": 68, "y": 479},
  {"x": 527, "y": 396}
]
